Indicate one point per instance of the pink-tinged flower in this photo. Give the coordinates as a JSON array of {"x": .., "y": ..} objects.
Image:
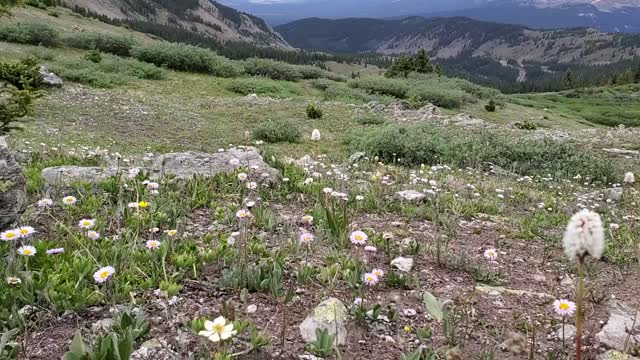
[
  {"x": 26, "y": 231},
  {"x": 69, "y": 200},
  {"x": 103, "y": 274},
  {"x": 370, "y": 248},
  {"x": 171, "y": 233},
  {"x": 27, "y": 250},
  {"x": 10, "y": 235},
  {"x": 153, "y": 186},
  {"x": 252, "y": 185},
  {"x": 153, "y": 244},
  {"x": 491, "y": 254},
  {"x": 358, "y": 301},
  {"x": 564, "y": 307},
  {"x": 93, "y": 235},
  {"x": 378, "y": 272},
  {"x": 358, "y": 237},
  {"x": 86, "y": 223},
  {"x": 306, "y": 237},
  {"x": 308, "y": 219},
  {"x": 55, "y": 251},
  {"x": 44, "y": 203},
  {"x": 242, "y": 176},
  {"x": 243, "y": 214},
  {"x": 370, "y": 279},
  {"x": 234, "y": 162}
]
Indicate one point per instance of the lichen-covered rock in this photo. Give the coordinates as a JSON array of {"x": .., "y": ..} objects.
[
  {"x": 403, "y": 264},
  {"x": 410, "y": 195},
  {"x": 622, "y": 322},
  {"x": 13, "y": 193},
  {"x": 49, "y": 78},
  {"x": 330, "y": 314},
  {"x": 63, "y": 177},
  {"x": 187, "y": 164}
]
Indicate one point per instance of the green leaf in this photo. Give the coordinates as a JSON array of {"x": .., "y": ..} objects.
[
  {"x": 77, "y": 346},
  {"x": 434, "y": 308}
]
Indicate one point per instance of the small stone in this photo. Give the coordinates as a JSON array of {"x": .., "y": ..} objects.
[
  {"x": 252, "y": 309},
  {"x": 389, "y": 339},
  {"x": 409, "y": 312},
  {"x": 515, "y": 344},
  {"x": 102, "y": 326},
  {"x": 410, "y": 195},
  {"x": 566, "y": 281},
  {"x": 539, "y": 278},
  {"x": 570, "y": 332},
  {"x": 331, "y": 314},
  {"x": 403, "y": 264}
]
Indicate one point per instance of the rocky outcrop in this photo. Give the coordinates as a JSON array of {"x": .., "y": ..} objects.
[
  {"x": 49, "y": 78},
  {"x": 13, "y": 193},
  {"x": 181, "y": 165},
  {"x": 330, "y": 314},
  {"x": 187, "y": 164},
  {"x": 410, "y": 195}
]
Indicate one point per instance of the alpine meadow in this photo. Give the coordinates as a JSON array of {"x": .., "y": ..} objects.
[{"x": 257, "y": 180}]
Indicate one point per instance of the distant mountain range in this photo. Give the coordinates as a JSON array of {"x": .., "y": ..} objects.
[{"x": 604, "y": 15}]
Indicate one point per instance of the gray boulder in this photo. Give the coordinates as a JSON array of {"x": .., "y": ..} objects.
[
  {"x": 616, "y": 355},
  {"x": 187, "y": 164},
  {"x": 621, "y": 329},
  {"x": 13, "y": 193},
  {"x": 49, "y": 78},
  {"x": 63, "y": 177},
  {"x": 330, "y": 314}
]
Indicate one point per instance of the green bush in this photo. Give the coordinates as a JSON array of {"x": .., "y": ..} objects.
[
  {"x": 491, "y": 106},
  {"x": 272, "y": 69},
  {"x": 188, "y": 58},
  {"x": 310, "y": 72},
  {"x": 14, "y": 105},
  {"x": 370, "y": 119},
  {"x": 383, "y": 86},
  {"x": 93, "y": 56},
  {"x": 278, "y": 131},
  {"x": 106, "y": 43},
  {"x": 342, "y": 92},
  {"x": 111, "y": 71},
  {"x": 313, "y": 111},
  {"x": 23, "y": 75},
  {"x": 33, "y": 33},
  {"x": 432, "y": 144},
  {"x": 446, "y": 98},
  {"x": 246, "y": 86}
]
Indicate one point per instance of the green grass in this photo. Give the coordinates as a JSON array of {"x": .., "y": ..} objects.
[
  {"x": 609, "y": 106},
  {"x": 262, "y": 86}
]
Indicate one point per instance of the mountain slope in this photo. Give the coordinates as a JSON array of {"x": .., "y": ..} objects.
[
  {"x": 205, "y": 17},
  {"x": 624, "y": 19},
  {"x": 447, "y": 38}
]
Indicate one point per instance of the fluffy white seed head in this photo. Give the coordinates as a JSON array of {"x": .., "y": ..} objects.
[
  {"x": 629, "y": 178},
  {"x": 584, "y": 235}
]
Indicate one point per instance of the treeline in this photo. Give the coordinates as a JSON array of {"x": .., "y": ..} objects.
[{"x": 232, "y": 50}]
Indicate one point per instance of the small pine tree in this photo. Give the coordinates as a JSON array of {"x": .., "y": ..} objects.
[
  {"x": 567, "y": 80},
  {"x": 491, "y": 106},
  {"x": 636, "y": 75}
]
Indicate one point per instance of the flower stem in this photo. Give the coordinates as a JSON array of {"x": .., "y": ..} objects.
[{"x": 579, "y": 310}]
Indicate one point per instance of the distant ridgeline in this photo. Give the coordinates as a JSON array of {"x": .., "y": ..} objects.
[
  {"x": 185, "y": 26},
  {"x": 512, "y": 58}
]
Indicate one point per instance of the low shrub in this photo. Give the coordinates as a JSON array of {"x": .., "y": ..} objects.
[
  {"x": 23, "y": 75},
  {"x": 246, "y": 86},
  {"x": 93, "y": 56},
  {"x": 272, "y": 69},
  {"x": 491, "y": 106},
  {"x": 446, "y": 98},
  {"x": 14, "y": 105},
  {"x": 106, "y": 43},
  {"x": 383, "y": 86},
  {"x": 33, "y": 33},
  {"x": 111, "y": 71},
  {"x": 188, "y": 58},
  {"x": 313, "y": 111},
  {"x": 370, "y": 118},
  {"x": 278, "y": 131},
  {"x": 342, "y": 92},
  {"x": 430, "y": 144}
]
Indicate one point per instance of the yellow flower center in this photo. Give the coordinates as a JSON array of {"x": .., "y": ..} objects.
[
  {"x": 564, "y": 306},
  {"x": 143, "y": 204},
  {"x": 10, "y": 235},
  {"x": 218, "y": 328},
  {"x": 26, "y": 252},
  {"x": 86, "y": 223},
  {"x": 24, "y": 231},
  {"x": 153, "y": 244},
  {"x": 359, "y": 237},
  {"x": 104, "y": 274},
  {"x": 369, "y": 278}
]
